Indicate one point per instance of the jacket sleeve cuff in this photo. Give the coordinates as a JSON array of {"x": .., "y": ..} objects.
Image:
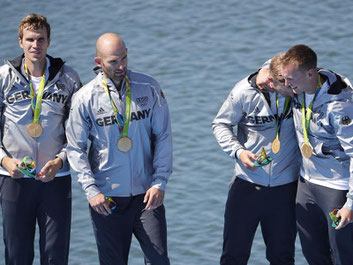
[
  {"x": 2, "y": 155},
  {"x": 92, "y": 191},
  {"x": 238, "y": 152},
  {"x": 62, "y": 155},
  {"x": 349, "y": 204},
  {"x": 159, "y": 183}
]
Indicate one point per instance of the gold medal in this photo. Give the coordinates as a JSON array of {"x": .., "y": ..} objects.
[
  {"x": 124, "y": 144},
  {"x": 34, "y": 130},
  {"x": 276, "y": 146},
  {"x": 307, "y": 150}
]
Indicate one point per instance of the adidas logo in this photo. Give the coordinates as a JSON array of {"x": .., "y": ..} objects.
[{"x": 100, "y": 111}]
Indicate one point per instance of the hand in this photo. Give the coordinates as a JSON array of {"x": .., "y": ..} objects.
[
  {"x": 48, "y": 172},
  {"x": 99, "y": 204},
  {"x": 11, "y": 165},
  {"x": 346, "y": 217},
  {"x": 154, "y": 198},
  {"x": 245, "y": 158},
  {"x": 263, "y": 79}
]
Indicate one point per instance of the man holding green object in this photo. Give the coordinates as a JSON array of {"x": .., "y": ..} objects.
[
  {"x": 263, "y": 188},
  {"x": 35, "y": 98},
  {"x": 125, "y": 116},
  {"x": 322, "y": 114}
]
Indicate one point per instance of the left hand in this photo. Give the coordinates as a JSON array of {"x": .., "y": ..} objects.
[
  {"x": 346, "y": 217},
  {"x": 154, "y": 198},
  {"x": 48, "y": 172},
  {"x": 263, "y": 79}
]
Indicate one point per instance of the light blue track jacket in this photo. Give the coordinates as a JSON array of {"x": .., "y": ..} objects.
[
  {"x": 106, "y": 169},
  {"x": 247, "y": 108},
  {"x": 16, "y": 113},
  {"x": 330, "y": 134}
]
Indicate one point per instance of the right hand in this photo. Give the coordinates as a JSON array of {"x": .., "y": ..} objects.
[
  {"x": 11, "y": 165},
  {"x": 346, "y": 217},
  {"x": 100, "y": 204},
  {"x": 245, "y": 157}
]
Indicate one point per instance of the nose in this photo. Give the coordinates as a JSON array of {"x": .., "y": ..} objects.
[{"x": 35, "y": 44}]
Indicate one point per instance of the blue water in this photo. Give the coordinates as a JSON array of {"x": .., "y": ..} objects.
[{"x": 197, "y": 50}]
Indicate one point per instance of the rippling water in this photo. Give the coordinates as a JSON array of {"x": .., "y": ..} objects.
[{"x": 197, "y": 50}]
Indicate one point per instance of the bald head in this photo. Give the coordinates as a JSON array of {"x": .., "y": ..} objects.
[
  {"x": 112, "y": 56},
  {"x": 109, "y": 43}
]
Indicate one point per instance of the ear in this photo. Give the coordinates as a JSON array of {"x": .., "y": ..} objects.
[
  {"x": 20, "y": 42},
  {"x": 270, "y": 82},
  {"x": 311, "y": 73},
  {"x": 98, "y": 61},
  {"x": 48, "y": 43}
]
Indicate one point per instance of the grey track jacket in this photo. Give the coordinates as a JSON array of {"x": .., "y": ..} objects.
[
  {"x": 247, "y": 108},
  {"x": 16, "y": 113},
  {"x": 330, "y": 134},
  {"x": 105, "y": 168}
]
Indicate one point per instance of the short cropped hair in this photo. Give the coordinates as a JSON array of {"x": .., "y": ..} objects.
[
  {"x": 303, "y": 55},
  {"x": 275, "y": 67},
  {"x": 33, "y": 21}
]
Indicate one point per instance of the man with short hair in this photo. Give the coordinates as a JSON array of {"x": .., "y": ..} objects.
[
  {"x": 263, "y": 188},
  {"x": 35, "y": 181},
  {"x": 125, "y": 116},
  {"x": 323, "y": 112}
]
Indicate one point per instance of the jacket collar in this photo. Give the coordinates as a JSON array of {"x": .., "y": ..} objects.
[
  {"x": 335, "y": 82},
  {"x": 55, "y": 65},
  {"x": 334, "y": 90}
]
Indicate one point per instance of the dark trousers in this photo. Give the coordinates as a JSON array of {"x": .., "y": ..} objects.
[
  {"x": 248, "y": 205},
  {"x": 321, "y": 243},
  {"x": 27, "y": 201},
  {"x": 114, "y": 232}
]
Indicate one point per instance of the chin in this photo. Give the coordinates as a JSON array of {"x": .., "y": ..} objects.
[
  {"x": 36, "y": 58},
  {"x": 119, "y": 77}
]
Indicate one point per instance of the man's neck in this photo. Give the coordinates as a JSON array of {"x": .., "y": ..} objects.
[
  {"x": 36, "y": 69},
  {"x": 314, "y": 84},
  {"x": 117, "y": 83}
]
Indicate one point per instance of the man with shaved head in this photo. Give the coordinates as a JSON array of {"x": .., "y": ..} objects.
[{"x": 125, "y": 116}]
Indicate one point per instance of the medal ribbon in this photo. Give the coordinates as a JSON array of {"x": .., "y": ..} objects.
[
  {"x": 123, "y": 124},
  {"x": 283, "y": 115},
  {"x": 36, "y": 99},
  {"x": 306, "y": 114}
]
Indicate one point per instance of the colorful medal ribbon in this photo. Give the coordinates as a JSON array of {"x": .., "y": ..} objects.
[
  {"x": 335, "y": 220},
  {"x": 283, "y": 115},
  {"x": 263, "y": 159},
  {"x": 112, "y": 203},
  {"x": 36, "y": 99},
  {"x": 123, "y": 124},
  {"x": 29, "y": 168},
  {"x": 306, "y": 114}
]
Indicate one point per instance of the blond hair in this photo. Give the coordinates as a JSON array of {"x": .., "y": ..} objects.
[{"x": 275, "y": 66}]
